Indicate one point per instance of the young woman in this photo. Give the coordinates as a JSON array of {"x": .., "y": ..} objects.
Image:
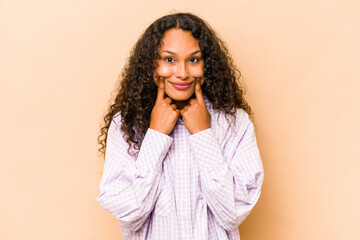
[{"x": 181, "y": 158}]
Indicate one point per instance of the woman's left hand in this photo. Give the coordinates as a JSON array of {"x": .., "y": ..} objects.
[{"x": 196, "y": 115}]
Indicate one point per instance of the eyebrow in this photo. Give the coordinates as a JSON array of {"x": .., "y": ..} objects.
[{"x": 167, "y": 51}]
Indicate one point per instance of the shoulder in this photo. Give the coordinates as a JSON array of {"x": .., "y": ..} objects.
[
  {"x": 238, "y": 121},
  {"x": 117, "y": 117},
  {"x": 115, "y": 121},
  {"x": 231, "y": 129},
  {"x": 115, "y": 126},
  {"x": 116, "y": 139}
]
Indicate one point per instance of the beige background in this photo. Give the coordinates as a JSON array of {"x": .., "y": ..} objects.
[{"x": 59, "y": 61}]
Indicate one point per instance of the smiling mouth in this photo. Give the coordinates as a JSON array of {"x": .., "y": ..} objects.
[{"x": 181, "y": 85}]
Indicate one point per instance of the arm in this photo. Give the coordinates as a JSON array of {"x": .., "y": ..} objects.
[
  {"x": 230, "y": 185},
  {"x": 130, "y": 187}
]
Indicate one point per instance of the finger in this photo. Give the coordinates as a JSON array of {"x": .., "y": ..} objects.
[
  {"x": 161, "y": 89},
  {"x": 186, "y": 107},
  {"x": 173, "y": 106},
  {"x": 168, "y": 100},
  {"x": 192, "y": 101},
  {"x": 198, "y": 92}
]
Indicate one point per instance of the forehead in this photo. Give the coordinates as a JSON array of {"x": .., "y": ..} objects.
[{"x": 177, "y": 41}]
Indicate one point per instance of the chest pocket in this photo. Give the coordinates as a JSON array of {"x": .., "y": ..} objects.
[{"x": 165, "y": 204}]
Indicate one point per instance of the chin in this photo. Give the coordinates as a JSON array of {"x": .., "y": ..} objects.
[{"x": 180, "y": 97}]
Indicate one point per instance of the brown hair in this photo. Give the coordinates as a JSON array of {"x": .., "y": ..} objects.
[{"x": 137, "y": 94}]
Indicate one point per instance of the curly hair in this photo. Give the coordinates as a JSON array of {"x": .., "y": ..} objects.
[{"x": 137, "y": 94}]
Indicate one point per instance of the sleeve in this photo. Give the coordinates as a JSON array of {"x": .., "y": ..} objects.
[
  {"x": 230, "y": 188},
  {"x": 130, "y": 186}
]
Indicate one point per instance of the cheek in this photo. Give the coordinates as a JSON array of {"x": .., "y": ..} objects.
[
  {"x": 198, "y": 72},
  {"x": 164, "y": 71}
]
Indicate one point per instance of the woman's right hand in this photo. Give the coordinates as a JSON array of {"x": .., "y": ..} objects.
[{"x": 164, "y": 114}]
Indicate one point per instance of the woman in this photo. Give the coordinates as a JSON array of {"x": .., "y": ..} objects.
[{"x": 181, "y": 158}]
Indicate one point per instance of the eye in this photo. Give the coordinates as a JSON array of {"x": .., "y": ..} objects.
[
  {"x": 194, "y": 60},
  {"x": 169, "y": 59}
]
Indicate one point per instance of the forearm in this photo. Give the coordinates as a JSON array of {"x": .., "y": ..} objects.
[
  {"x": 230, "y": 188},
  {"x": 130, "y": 187}
]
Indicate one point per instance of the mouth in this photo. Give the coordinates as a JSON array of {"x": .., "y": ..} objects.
[{"x": 181, "y": 85}]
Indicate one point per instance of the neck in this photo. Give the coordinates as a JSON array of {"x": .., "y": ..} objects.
[{"x": 181, "y": 104}]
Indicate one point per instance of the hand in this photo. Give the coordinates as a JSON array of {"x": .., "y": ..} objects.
[
  {"x": 164, "y": 114},
  {"x": 196, "y": 115}
]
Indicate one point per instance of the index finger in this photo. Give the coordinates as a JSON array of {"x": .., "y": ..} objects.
[
  {"x": 198, "y": 92},
  {"x": 161, "y": 89}
]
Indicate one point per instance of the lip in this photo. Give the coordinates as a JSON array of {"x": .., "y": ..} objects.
[{"x": 181, "y": 85}]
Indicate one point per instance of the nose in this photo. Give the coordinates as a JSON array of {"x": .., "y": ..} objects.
[{"x": 182, "y": 71}]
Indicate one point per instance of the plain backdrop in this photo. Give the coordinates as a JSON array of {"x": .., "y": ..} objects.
[{"x": 60, "y": 61}]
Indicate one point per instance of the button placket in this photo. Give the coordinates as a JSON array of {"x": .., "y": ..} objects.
[{"x": 183, "y": 194}]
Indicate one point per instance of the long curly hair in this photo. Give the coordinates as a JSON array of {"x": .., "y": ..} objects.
[{"x": 137, "y": 93}]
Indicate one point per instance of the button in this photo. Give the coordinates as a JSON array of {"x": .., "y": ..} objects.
[
  {"x": 183, "y": 156},
  {"x": 185, "y": 231},
  {"x": 183, "y": 193},
  {"x": 181, "y": 126}
]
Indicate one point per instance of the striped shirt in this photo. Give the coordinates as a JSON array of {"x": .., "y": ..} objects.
[{"x": 183, "y": 186}]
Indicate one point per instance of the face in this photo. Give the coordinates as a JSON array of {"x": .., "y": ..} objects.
[{"x": 180, "y": 64}]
